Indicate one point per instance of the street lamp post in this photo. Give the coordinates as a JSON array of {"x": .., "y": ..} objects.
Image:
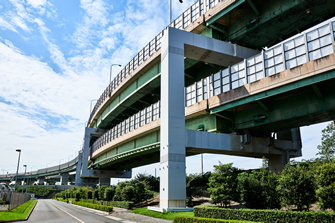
[
  {"x": 59, "y": 163},
  {"x": 68, "y": 161},
  {"x": 24, "y": 176},
  {"x": 110, "y": 72},
  {"x": 46, "y": 167},
  {"x": 91, "y": 105},
  {"x": 181, "y": 1},
  {"x": 31, "y": 173},
  {"x": 17, "y": 169}
]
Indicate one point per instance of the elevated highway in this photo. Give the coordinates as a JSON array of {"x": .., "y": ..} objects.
[{"x": 234, "y": 77}]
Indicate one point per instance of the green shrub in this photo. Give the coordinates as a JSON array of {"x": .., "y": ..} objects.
[
  {"x": 89, "y": 194},
  {"x": 223, "y": 184},
  {"x": 96, "y": 194},
  {"x": 128, "y": 193},
  {"x": 120, "y": 204},
  {"x": 204, "y": 220},
  {"x": 109, "y": 193},
  {"x": 77, "y": 196},
  {"x": 94, "y": 206},
  {"x": 258, "y": 189},
  {"x": 325, "y": 178},
  {"x": 297, "y": 186},
  {"x": 264, "y": 215},
  {"x": 191, "y": 190}
]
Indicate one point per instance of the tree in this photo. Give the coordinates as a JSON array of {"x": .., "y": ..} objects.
[
  {"x": 109, "y": 193},
  {"x": 191, "y": 189},
  {"x": 96, "y": 194},
  {"x": 223, "y": 184},
  {"x": 297, "y": 185},
  {"x": 258, "y": 189},
  {"x": 325, "y": 178},
  {"x": 327, "y": 147},
  {"x": 128, "y": 193},
  {"x": 102, "y": 191}
]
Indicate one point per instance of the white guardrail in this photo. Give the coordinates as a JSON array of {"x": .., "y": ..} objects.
[{"x": 310, "y": 45}]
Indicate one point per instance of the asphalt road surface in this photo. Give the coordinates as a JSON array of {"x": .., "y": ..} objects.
[{"x": 50, "y": 211}]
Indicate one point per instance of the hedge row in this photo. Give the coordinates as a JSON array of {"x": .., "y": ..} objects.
[
  {"x": 119, "y": 204},
  {"x": 205, "y": 220},
  {"x": 264, "y": 215},
  {"x": 94, "y": 206}
]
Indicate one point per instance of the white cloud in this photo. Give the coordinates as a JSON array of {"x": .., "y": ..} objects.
[
  {"x": 36, "y": 3},
  {"x": 18, "y": 21},
  {"x": 5, "y": 25}
]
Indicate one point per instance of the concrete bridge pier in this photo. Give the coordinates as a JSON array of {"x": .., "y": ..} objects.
[
  {"x": 91, "y": 177},
  {"x": 40, "y": 180},
  {"x": 176, "y": 45},
  {"x": 64, "y": 178},
  {"x": 277, "y": 163}
]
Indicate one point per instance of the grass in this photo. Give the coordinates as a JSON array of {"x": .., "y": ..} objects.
[
  {"x": 169, "y": 215},
  {"x": 18, "y": 213}
]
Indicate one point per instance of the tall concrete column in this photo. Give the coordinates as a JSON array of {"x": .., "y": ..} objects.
[
  {"x": 40, "y": 180},
  {"x": 64, "y": 179},
  {"x": 172, "y": 146}
]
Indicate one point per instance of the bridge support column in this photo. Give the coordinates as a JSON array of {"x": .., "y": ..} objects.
[
  {"x": 172, "y": 146},
  {"x": 64, "y": 179},
  {"x": 40, "y": 180},
  {"x": 105, "y": 181}
]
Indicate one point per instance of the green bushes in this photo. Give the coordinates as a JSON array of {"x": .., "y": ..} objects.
[
  {"x": 264, "y": 215},
  {"x": 297, "y": 186},
  {"x": 223, "y": 184},
  {"x": 325, "y": 178},
  {"x": 203, "y": 220},
  {"x": 120, "y": 204},
  {"x": 94, "y": 206},
  {"x": 39, "y": 191}
]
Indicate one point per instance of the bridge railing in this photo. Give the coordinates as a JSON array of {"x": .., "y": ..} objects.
[
  {"x": 313, "y": 44},
  {"x": 181, "y": 22},
  {"x": 139, "y": 119}
]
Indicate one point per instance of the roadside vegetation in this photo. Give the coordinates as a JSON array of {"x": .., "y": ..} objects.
[
  {"x": 18, "y": 213},
  {"x": 286, "y": 196},
  {"x": 39, "y": 191},
  {"x": 125, "y": 195}
]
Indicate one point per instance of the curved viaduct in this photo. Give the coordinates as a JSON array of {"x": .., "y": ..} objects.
[
  {"x": 188, "y": 92},
  {"x": 234, "y": 77}
]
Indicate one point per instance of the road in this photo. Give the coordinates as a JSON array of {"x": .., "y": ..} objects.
[{"x": 50, "y": 211}]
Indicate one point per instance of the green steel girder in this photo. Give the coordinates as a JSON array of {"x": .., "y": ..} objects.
[
  {"x": 275, "y": 91},
  {"x": 273, "y": 20},
  {"x": 224, "y": 12},
  {"x": 293, "y": 105}
]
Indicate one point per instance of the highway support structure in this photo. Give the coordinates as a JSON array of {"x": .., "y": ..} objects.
[
  {"x": 88, "y": 177},
  {"x": 176, "y": 45}
]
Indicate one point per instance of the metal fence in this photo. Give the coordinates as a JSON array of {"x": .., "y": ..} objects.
[
  {"x": 17, "y": 199},
  {"x": 139, "y": 119},
  {"x": 310, "y": 45},
  {"x": 181, "y": 22}
]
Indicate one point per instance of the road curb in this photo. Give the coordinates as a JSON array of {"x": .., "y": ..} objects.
[
  {"x": 25, "y": 218},
  {"x": 104, "y": 212}
]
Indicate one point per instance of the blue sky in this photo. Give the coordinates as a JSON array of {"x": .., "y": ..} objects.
[{"x": 55, "y": 58}]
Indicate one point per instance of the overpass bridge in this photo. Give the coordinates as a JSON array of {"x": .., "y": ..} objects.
[
  {"x": 235, "y": 79},
  {"x": 230, "y": 77},
  {"x": 40, "y": 175}
]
